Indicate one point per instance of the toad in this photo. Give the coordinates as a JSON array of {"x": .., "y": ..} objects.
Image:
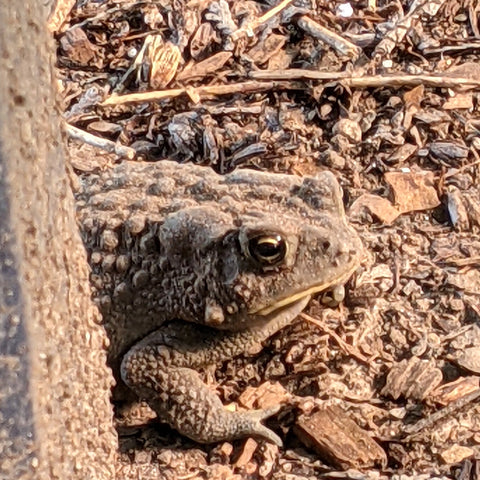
[{"x": 191, "y": 268}]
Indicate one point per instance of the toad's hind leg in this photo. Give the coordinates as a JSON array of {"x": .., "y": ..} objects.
[
  {"x": 161, "y": 369},
  {"x": 184, "y": 401}
]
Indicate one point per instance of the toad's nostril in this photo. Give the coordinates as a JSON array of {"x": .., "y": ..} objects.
[{"x": 326, "y": 245}]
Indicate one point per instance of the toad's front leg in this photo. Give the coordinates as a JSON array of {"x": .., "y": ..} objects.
[{"x": 161, "y": 369}]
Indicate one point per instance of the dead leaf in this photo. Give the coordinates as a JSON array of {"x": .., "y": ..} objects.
[{"x": 164, "y": 59}]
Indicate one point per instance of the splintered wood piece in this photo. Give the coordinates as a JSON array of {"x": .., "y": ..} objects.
[
  {"x": 266, "y": 48},
  {"x": 413, "y": 190},
  {"x": 338, "y": 439},
  {"x": 380, "y": 207},
  {"x": 266, "y": 395},
  {"x": 469, "y": 359},
  {"x": 412, "y": 378},
  {"x": 450, "y": 392},
  {"x": 205, "y": 67}
]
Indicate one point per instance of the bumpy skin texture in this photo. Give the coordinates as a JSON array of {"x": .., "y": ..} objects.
[{"x": 238, "y": 254}]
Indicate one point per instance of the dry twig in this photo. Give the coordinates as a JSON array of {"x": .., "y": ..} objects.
[
  {"x": 347, "y": 348},
  {"x": 254, "y": 24},
  {"x": 368, "y": 81},
  {"x": 339, "y": 44},
  {"x": 103, "y": 143},
  {"x": 196, "y": 93},
  {"x": 285, "y": 79},
  {"x": 415, "y": 429}
]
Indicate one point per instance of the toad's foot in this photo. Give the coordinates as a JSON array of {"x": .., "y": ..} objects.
[{"x": 161, "y": 370}]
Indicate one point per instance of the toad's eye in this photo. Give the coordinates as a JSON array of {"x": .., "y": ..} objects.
[{"x": 267, "y": 249}]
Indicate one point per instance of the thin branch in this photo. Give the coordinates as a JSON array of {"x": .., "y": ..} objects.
[
  {"x": 350, "y": 350},
  {"x": 289, "y": 80},
  {"x": 99, "y": 142},
  {"x": 250, "y": 27},
  {"x": 195, "y": 93},
  {"x": 338, "y": 43},
  {"x": 388, "y": 80},
  {"x": 425, "y": 423}
]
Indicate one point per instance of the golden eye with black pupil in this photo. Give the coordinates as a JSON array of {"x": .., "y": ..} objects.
[{"x": 267, "y": 249}]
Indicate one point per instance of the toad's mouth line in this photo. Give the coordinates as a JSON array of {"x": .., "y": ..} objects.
[{"x": 304, "y": 293}]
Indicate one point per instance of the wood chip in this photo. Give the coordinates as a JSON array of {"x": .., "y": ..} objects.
[
  {"x": 204, "y": 36},
  {"x": 77, "y": 47},
  {"x": 248, "y": 450},
  {"x": 459, "y": 101},
  {"x": 402, "y": 153},
  {"x": 338, "y": 439},
  {"x": 412, "y": 378},
  {"x": 266, "y": 48},
  {"x": 469, "y": 359},
  {"x": 413, "y": 190},
  {"x": 457, "y": 209},
  {"x": 448, "y": 151},
  {"x": 206, "y": 67},
  {"x": 452, "y": 391},
  {"x": 267, "y": 395},
  {"x": 456, "y": 454},
  {"x": 59, "y": 14},
  {"x": 380, "y": 207}
]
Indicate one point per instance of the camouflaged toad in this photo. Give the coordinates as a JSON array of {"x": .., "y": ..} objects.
[{"x": 191, "y": 268}]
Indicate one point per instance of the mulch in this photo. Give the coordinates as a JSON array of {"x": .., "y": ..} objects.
[{"x": 383, "y": 93}]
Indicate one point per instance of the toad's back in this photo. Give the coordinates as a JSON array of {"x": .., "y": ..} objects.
[{"x": 178, "y": 241}]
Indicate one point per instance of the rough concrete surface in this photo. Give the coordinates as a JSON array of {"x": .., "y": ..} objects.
[{"x": 55, "y": 415}]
